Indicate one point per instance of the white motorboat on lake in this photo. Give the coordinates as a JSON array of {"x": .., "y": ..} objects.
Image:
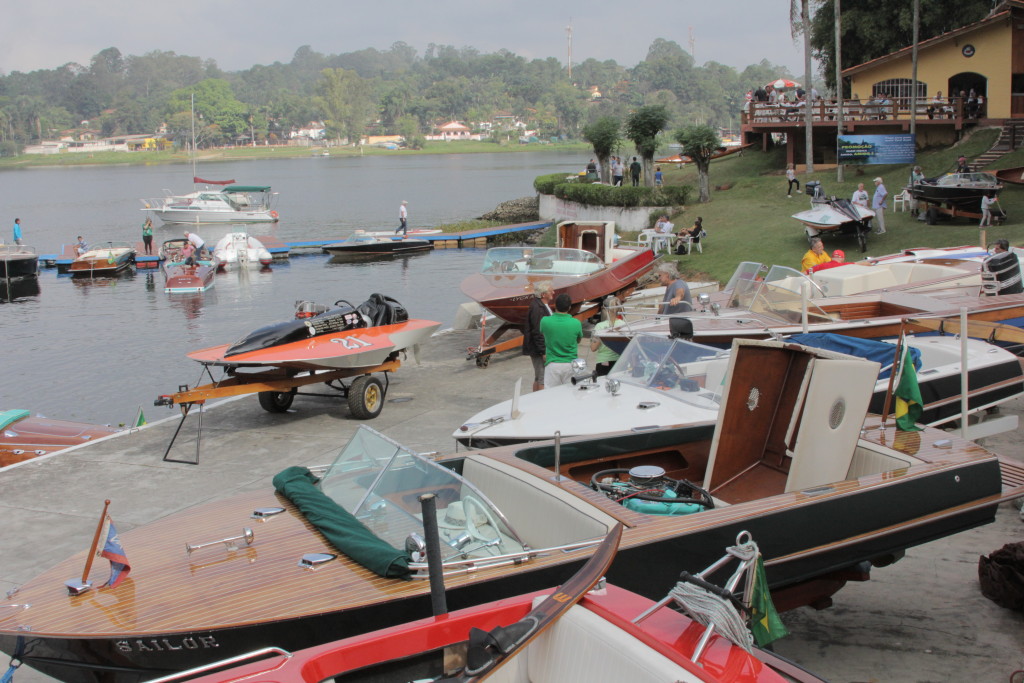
[
  {"x": 240, "y": 249},
  {"x": 227, "y": 204}
]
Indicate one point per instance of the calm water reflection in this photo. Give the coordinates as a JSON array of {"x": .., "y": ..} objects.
[{"x": 97, "y": 350}]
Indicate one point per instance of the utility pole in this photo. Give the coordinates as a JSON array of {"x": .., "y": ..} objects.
[
  {"x": 839, "y": 89},
  {"x": 693, "y": 47}
]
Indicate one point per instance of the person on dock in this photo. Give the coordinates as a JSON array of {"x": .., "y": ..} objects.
[
  {"x": 80, "y": 246},
  {"x": 17, "y": 231},
  {"x": 147, "y": 236},
  {"x": 878, "y": 205},
  {"x": 533, "y": 340},
  {"x": 403, "y": 219},
  {"x": 196, "y": 241},
  {"x": 562, "y": 335}
]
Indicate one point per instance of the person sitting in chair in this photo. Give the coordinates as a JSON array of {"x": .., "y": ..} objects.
[{"x": 690, "y": 236}]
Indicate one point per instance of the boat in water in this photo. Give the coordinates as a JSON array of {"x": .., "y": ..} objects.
[
  {"x": 103, "y": 259},
  {"x": 240, "y": 249},
  {"x": 23, "y": 437},
  {"x": 222, "y": 203},
  {"x": 182, "y": 277},
  {"x": 660, "y": 382},
  {"x": 957, "y": 191},
  {"x": 586, "y": 264},
  {"x": 322, "y": 337},
  {"x": 361, "y": 244},
  {"x": 18, "y": 262},
  {"x": 277, "y": 566}
]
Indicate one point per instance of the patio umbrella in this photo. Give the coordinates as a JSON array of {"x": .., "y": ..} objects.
[{"x": 783, "y": 83}]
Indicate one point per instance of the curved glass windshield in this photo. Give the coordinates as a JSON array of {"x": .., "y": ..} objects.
[
  {"x": 680, "y": 369},
  {"x": 540, "y": 261},
  {"x": 775, "y": 291},
  {"x": 380, "y": 482}
]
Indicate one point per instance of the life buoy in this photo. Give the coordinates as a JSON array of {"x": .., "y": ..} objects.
[{"x": 273, "y": 214}]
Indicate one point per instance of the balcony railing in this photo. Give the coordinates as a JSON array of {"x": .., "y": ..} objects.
[{"x": 887, "y": 110}]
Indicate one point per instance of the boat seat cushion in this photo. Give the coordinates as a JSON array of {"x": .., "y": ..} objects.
[
  {"x": 9, "y": 417},
  {"x": 531, "y": 505}
]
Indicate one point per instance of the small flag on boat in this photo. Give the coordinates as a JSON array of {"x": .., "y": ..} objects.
[
  {"x": 140, "y": 419},
  {"x": 909, "y": 404},
  {"x": 765, "y": 623},
  {"x": 113, "y": 551},
  {"x": 110, "y": 258}
]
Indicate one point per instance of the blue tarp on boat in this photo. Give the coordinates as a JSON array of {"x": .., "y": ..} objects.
[{"x": 880, "y": 352}]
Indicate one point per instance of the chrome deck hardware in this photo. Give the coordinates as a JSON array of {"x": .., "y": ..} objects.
[
  {"x": 246, "y": 535},
  {"x": 314, "y": 560},
  {"x": 264, "y": 514}
]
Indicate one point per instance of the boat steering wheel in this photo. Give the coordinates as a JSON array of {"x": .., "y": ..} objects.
[{"x": 469, "y": 502}]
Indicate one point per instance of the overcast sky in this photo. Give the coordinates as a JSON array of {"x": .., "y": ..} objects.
[{"x": 240, "y": 33}]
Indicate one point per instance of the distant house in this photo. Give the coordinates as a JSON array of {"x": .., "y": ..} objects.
[
  {"x": 453, "y": 130},
  {"x": 314, "y": 130}
]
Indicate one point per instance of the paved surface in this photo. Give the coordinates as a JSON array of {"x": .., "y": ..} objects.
[{"x": 922, "y": 619}]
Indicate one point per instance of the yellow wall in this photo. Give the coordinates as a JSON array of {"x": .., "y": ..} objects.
[{"x": 935, "y": 65}]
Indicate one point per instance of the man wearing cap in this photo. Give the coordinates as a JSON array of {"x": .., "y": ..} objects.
[
  {"x": 838, "y": 259},
  {"x": 403, "y": 219},
  {"x": 878, "y": 206}
]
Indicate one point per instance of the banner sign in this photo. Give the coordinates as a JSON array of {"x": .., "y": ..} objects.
[{"x": 876, "y": 149}]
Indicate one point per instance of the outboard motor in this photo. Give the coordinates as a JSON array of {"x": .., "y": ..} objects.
[{"x": 815, "y": 190}]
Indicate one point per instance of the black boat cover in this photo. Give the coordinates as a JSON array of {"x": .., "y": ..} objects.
[{"x": 339, "y": 526}]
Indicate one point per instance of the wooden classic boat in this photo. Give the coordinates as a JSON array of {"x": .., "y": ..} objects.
[
  {"x": 868, "y": 301},
  {"x": 596, "y": 639},
  {"x": 182, "y": 277},
  {"x": 23, "y": 437},
  {"x": 791, "y": 460},
  {"x": 660, "y": 382},
  {"x": 106, "y": 258},
  {"x": 1014, "y": 176},
  {"x": 361, "y": 244},
  {"x": 586, "y": 265},
  {"x": 18, "y": 262}
]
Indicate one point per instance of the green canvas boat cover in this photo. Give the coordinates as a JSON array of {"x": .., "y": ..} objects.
[
  {"x": 339, "y": 526},
  {"x": 247, "y": 188}
]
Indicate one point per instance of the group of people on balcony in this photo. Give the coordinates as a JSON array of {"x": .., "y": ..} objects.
[{"x": 783, "y": 105}]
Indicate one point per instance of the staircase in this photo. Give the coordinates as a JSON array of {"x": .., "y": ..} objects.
[{"x": 1011, "y": 137}]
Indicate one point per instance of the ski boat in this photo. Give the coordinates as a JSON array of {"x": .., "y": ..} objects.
[
  {"x": 361, "y": 244},
  {"x": 106, "y": 258},
  {"x": 791, "y": 459},
  {"x": 240, "y": 249},
  {"x": 867, "y": 301},
  {"x": 225, "y": 204},
  {"x": 585, "y": 264},
  {"x": 320, "y": 338},
  {"x": 960, "y": 191},
  {"x": 834, "y": 216},
  {"x": 595, "y": 637},
  {"x": 18, "y": 262},
  {"x": 1014, "y": 176},
  {"x": 412, "y": 232},
  {"x": 184, "y": 278},
  {"x": 660, "y": 382},
  {"x": 23, "y": 437}
]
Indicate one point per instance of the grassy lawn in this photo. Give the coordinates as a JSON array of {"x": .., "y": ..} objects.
[{"x": 752, "y": 220}]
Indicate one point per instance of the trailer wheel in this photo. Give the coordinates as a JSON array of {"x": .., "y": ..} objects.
[
  {"x": 483, "y": 361},
  {"x": 277, "y": 401},
  {"x": 365, "y": 397},
  {"x": 931, "y": 215}
]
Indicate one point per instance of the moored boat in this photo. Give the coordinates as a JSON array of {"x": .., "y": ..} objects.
[
  {"x": 361, "y": 244},
  {"x": 241, "y": 249},
  {"x": 23, "y": 437},
  {"x": 226, "y": 204},
  {"x": 18, "y": 262},
  {"x": 186, "y": 277},
  {"x": 105, "y": 258},
  {"x": 586, "y": 265},
  {"x": 854, "y": 493}
]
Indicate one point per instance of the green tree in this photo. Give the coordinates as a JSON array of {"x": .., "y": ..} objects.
[
  {"x": 872, "y": 28},
  {"x": 643, "y": 127},
  {"x": 699, "y": 143},
  {"x": 347, "y": 101},
  {"x": 604, "y": 134}
]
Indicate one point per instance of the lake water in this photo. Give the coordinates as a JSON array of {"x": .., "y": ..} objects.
[{"x": 97, "y": 350}]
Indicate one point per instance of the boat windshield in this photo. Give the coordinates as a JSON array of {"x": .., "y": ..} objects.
[
  {"x": 380, "y": 481},
  {"x": 776, "y": 291},
  {"x": 541, "y": 261},
  {"x": 965, "y": 180},
  {"x": 685, "y": 371}
]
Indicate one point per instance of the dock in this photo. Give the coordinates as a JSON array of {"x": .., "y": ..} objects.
[{"x": 477, "y": 238}]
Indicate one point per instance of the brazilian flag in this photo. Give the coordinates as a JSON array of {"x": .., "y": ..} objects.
[
  {"x": 110, "y": 258},
  {"x": 765, "y": 623},
  {"x": 909, "y": 404}
]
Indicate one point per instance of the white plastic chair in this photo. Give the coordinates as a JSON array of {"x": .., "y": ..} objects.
[{"x": 901, "y": 201}]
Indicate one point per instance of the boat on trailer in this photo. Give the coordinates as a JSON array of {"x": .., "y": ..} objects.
[{"x": 791, "y": 459}]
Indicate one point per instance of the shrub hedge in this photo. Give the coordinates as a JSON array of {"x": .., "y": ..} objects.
[{"x": 607, "y": 195}]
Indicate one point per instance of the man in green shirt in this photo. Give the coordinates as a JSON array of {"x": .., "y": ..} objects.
[{"x": 562, "y": 335}]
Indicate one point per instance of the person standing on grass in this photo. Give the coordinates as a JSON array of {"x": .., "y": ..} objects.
[
  {"x": 634, "y": 171},
  {"x": 791, "y": 178},
  {"x": 878, "y": 205}
]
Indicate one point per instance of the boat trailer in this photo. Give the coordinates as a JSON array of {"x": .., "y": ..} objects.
[
  {"x": 276, "y": 388},
  {"x": 935, "y": 209},
  {"x": 489, "y": 345}
]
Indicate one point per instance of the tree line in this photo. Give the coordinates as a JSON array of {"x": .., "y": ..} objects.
[{"x": 394, "y": 91}]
